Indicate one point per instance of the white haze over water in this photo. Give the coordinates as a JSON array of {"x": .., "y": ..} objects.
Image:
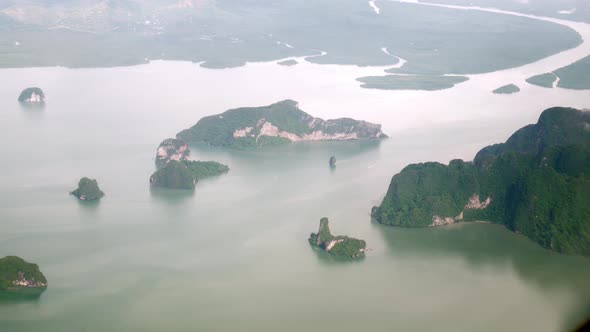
[
  {"x": 175, "y": 262},
  {"x": 331, "y": 91}
]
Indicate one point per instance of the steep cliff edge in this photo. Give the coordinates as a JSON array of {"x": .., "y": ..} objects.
[
  {"x": 537, "y": 184},
  {"x": 171, "y": 149},
  {"x": 281, "y": 122},
  {"x": 337, "y": 245},
  {"x": 20, "y": 277},
  {"x": 88, "y": 190}
]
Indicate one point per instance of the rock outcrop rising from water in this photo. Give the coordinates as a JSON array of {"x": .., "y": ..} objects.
[
  {"x": 32, "y": 96},
  {"x": 88, "y": 190},
  {"x": 290, "y": 62},
  {"x": 185, "y": 174},
  {"x": 337, "y": 245},
  {"x": 332, "y": 161},
  {"x": 537, "y": 184},
  {"x": 20, "y": 277},
  {"x": 281, "y": 122},
  {"x": 171, "y": 149}
]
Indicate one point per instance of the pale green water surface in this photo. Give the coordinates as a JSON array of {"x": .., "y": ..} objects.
[{"x": 233, "y": 255}]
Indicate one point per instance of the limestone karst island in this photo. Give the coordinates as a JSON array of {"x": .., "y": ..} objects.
[
  {"x": 343, "y": 246},
  {"x": 282, "y": 122},
  {"x": 20, "y": 278},
  {"x": 214, "y": 135},
  {"x": 332, "y": 161},
  {"x": 536, "y": 184},
  {"x": 176, "y": 172},
  {"x": 88, "y": 190},
  {"x": 32, "y": 96}
]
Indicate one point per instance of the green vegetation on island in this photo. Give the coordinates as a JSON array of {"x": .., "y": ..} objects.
[
  {"x": 507, "y": 89},
  {"x": 205, "y": 169},
  {"x": 88, "y": 190},
  {"x": 20, "y": 277},
  {"x": 337, "y": 245},
  {"x": 575, "y": 76},
  {"x": 332, "y": 161},
  {"x": 571, "y": 10},
  {"x": 279, "y": 123},
  {"x": 32, "y": 96},
  {"x": 185, "y": 174},
  {"x": 544, "y": 80},
  {"x": 411, "y": 82},
  {"x": 536, "y": 184}
]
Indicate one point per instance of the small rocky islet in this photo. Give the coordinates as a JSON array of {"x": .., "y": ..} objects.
[
  {"x": 32, "y": 96},
  {"x": 88, "y": 190},
  {"x": 332, "y": 161},
  {"x": 20, "y": 278},
  {"x": 342, "y": 246}
]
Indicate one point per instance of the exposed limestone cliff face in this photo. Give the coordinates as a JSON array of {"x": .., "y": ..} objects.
[
  {"x": 270, "y": 130},
  {"x": 476, "y": 204},
  {"x": 32, "y": 96},
  {"x": 473, "y": 204},
  {"x": 171, "y": 149},
  {"x": 337, "y": 245},
  {"x": 243, "y": 132},
  {"x": 19, "y": 276},
  {"x": 277, "y": 123},
  {"x": 22, "y": 281},
  {"x": 332, "y": 243},
  {"x": 443, "y": 221},
  {"x": 176, "y": 172}
]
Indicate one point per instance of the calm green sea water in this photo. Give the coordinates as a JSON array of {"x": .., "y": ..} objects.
[{"x": 233, "y": 255}]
